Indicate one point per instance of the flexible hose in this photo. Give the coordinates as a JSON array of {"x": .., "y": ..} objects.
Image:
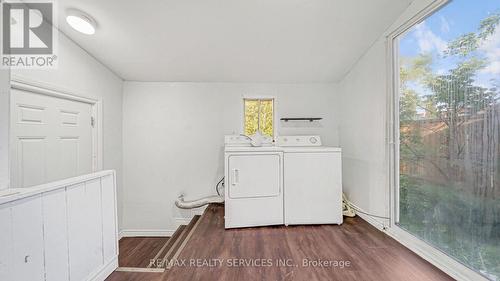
[{"x": 180, "y": 203}]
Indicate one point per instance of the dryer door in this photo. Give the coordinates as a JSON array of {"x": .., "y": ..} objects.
[
  {"x": 254, "y": 175},
  {"x": 254, "y": 193}
]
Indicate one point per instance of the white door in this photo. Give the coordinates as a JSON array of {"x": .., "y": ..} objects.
[
  {"x": 51, "y": 138},
  {"x": 254, "y": 194}
]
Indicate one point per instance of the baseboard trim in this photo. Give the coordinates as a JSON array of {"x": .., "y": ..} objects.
[
  {"x": 186, "y": 220},
  {"x": 106, "y": 270},
  {"x": 181, "y": 221},
  {"x": 161, "y": 232},
  {"x": 145, "y": 233},
  {"x": 140, "y": 269}
]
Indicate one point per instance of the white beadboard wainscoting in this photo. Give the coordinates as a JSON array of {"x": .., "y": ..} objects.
[{"x": 64, "y": 230}]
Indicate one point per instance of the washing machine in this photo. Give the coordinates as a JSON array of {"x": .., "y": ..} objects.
[
  {"x": 296, "y": 181},
  {"x": 312, "y": 181}
]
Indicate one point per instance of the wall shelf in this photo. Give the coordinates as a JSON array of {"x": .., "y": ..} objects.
[{"x": 310, "y": 119}]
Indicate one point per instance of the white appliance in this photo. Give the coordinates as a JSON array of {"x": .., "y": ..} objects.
[
  {"x": 254, "y": 184},
  {"x": 312, "y": 181},
  {"x": 297, "y": 182}
]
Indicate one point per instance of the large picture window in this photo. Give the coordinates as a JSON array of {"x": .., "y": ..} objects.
[{"x": 449, "y": 129}]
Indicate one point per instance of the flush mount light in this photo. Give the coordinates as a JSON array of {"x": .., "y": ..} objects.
[{"x": 81, "y": 22}]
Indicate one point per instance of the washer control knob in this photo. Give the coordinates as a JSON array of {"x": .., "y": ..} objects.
[{"x": 313, "y": 140}]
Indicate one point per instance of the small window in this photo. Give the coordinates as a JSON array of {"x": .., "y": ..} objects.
[{"x": 259, "y": 116}]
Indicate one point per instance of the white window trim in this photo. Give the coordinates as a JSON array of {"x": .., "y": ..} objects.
[
  {"x": 433, "y": 255},
  {"x": 259, "y": 97}
]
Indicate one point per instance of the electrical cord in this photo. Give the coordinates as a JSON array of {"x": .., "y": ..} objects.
[
  {"x": 217, "y": 186},
  {"x": 368, "y": 214}
]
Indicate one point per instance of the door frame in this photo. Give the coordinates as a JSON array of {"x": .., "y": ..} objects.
[{"x": 25, "y": 84}]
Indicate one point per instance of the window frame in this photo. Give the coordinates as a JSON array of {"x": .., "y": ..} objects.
[
  {"x": 437, "y": 257},
  {"x": 258, "y": 97}
]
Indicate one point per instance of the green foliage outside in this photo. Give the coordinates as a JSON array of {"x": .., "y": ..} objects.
[
  {"x": 259, "y": 116},
  {"x": 454, "y": 222},
  {"x": 450, "y": 153}
]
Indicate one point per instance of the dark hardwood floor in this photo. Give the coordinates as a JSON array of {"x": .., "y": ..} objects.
[
  {"x": 352, "y": 251},
  {"x": 138, "y": 251}
]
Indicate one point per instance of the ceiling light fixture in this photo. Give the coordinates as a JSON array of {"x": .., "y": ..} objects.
[{"x": 81, "y": 22}]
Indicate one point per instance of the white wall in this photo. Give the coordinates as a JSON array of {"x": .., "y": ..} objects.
[
  {"x": 363, "y": 128},
  {"x": 4, "y": 127},
  {"x": 80, "y": 73},
  {"x": 363, "y": 132},
  {"x": 173, "y": 135}
]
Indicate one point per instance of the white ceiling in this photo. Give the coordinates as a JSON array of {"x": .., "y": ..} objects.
[{"x": 232, "y": 40}]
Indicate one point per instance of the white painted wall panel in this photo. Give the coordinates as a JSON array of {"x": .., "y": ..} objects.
[
  {"x": 81, "y": 230},
  {"x": 38, "y": 224},
  {"x": 55, "y": 235},
  {"x": 27, "y": 233},
  {"x": 93, "y": 222},
  {"x": 6, "y": 242},
  {"x": 109, "y": 218}
]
